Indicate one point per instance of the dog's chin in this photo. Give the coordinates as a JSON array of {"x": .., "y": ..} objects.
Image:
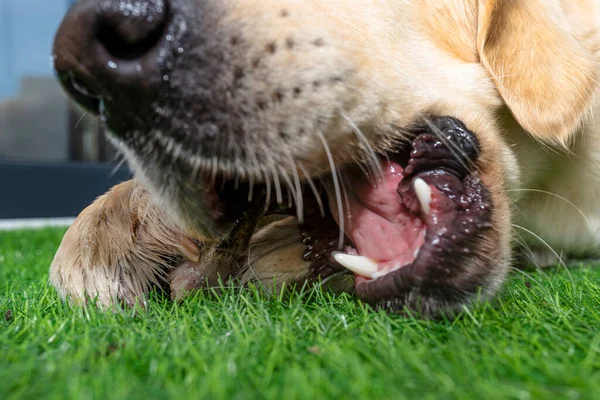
[{"x": 415, "y": 230}]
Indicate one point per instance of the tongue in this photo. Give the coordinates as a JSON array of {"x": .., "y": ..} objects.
[{"x": 380, "y": 226}]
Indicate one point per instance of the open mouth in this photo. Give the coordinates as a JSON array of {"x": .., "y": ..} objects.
[{"x": 410, "y": 230}]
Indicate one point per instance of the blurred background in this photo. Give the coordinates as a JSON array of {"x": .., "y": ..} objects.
[{"x": 54, "y": 158}]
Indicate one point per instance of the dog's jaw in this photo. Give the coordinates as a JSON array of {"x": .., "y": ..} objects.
[
  {"x": 282, "y": 125},
  {"x": 267, "y": 101}
]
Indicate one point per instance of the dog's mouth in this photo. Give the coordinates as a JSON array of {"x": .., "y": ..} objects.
[{"x": 410, "y": 229}]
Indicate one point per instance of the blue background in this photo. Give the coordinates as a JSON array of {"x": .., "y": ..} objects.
[{"x": 27, "y": 30}]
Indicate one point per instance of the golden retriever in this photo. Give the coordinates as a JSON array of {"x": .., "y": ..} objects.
[{"x": 399, "y": 150}]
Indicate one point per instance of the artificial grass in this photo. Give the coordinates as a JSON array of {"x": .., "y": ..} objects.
[{"x": 540, "y": 338}]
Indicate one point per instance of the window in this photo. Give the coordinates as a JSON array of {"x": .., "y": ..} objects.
[
  {"x": 41, "y": 131},
  {"x": 37, "y": 120}
]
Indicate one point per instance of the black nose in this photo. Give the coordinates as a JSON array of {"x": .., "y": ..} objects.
[{"x": 110, "y": 50}]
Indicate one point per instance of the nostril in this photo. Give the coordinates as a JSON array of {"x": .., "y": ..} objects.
[
  {"x": 118, "y": 46},
  {"x": 83, "y": 88},
  {"x": 80, "y": 91},
  {"x": 131, "y": 34}
]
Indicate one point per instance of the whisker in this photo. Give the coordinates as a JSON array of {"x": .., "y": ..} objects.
[
  {"x": 458, "y": 153},
  {"x": 277, "y": 184},
  {"x": 336, "y": 186},
  {"x": 313, "y": 187},
  {"x": 374, "y": 160},
  {"x": 250, "y": 267},
  {"x": 117, "y": 167},
  {"x": 290, "y": 186},
  {"x": 547, "y": 245},
  {"x": 268, "y": 191},
  {"x": 333, "y": 276},
  {"x": 542, "y": 287},
  {"x": 343, "y": 180},
  {"x": 79, "y": 120},
  {"x": 197, "y": 164},
  {"x": 364, "y": 170},
  {"x": 558, "y": 197},
  {"x": 525, "y": 247},
  {"x": 299, "y": 195}
]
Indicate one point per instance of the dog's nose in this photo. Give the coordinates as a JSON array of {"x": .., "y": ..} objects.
[{"x": 107, "y": 49}]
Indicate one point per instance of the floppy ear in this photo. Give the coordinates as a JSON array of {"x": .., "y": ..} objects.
[{"x": 544, "y": 74}]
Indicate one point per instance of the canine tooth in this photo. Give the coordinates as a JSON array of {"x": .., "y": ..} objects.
[
  {"x": 416, "y": 252},
  {"x": 361, "y": 265},
  {"x": 423, "y": 192},
  {"x": 379, "y": 274}
]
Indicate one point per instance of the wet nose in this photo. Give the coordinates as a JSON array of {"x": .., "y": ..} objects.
[{"x": 110, "y": 49}]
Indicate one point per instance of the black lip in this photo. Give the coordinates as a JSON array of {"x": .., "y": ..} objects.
[
  {"x": 440, "y": 272},
  {"x": 444, "y": 154}
]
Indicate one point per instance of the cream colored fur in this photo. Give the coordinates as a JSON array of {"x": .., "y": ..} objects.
[{"x": 476, "y": 60}]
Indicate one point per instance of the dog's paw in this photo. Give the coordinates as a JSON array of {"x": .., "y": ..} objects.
[{"x": 119, "y": 249}]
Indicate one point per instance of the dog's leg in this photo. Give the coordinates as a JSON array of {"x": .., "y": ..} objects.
[
  {"x": 118, "y": 249},
  {"x": 123, "y": 245},
  {"x": 528, "y": 258}
]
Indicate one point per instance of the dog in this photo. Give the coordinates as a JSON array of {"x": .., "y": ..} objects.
[{"x": 403, "y": 151}]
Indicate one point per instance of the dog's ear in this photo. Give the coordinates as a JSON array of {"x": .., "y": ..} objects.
[{"x": 545, "y": 76}]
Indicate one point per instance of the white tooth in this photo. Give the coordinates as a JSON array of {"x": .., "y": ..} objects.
[
  {"x": 363, "y": 266},
  {"x": 423, "y": 192},
  {"x": 416, "y": 253}
]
